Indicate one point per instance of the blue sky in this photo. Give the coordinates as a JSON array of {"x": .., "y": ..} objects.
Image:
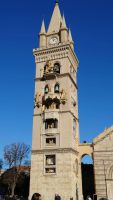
[{"x": 91, "y": 23}]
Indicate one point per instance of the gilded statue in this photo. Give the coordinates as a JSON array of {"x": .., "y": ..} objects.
[
  {"x": 43, "y": 108},
  {"x": 63, "y": 95},
  {"x": 49, "y": 67},
  {"x": 37, "y": 100}
]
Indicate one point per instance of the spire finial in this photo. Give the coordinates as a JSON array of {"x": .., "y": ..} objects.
[
  {"x": 54, "y": 25},
  {"x": 43, "y": 27},
  {"x": 63, "y": 22},
  {"x": 70, "y": 36}
]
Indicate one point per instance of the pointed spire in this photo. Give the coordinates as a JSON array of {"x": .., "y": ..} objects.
[
  {"x": 70, "y": 36},
  {"x": 43, "y": 30},
  {"x": 54, "y": 25},
  {"x": 63, "y": 22}
]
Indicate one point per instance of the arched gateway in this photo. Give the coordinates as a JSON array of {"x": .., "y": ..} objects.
[{"x": 87, "y": 169}]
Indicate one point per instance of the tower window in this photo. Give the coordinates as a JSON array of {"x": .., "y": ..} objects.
[
  {"x": 57, "y": 88},
  {"x": 50, "y": 160},
  {"x": 52, "y": 103},
  {"x": 50, "y": 164},
  {"x": 46, "y": 89},
  {"x": 51, "y": 141},
  {"x": 51, "y": 123},
  {"x": 57, "y": 68},
  {"x": 50, "y": 170}
]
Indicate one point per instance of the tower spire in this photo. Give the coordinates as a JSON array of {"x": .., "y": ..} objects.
[
  {"x": 43, "y": 30},
  {"x": 42, "y": 36},
  {"x": 63, "y": 22},
  {"x": 54, "y": 25},
  {"x": 70, "y": 36},
  {"x": 71, "y": 39}
]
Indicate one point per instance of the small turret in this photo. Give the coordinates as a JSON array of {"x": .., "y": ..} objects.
[
  {"x": 70, "y": 39},
  {"x": 42, "y": 36},
  {"x": 64, "y": 31}
]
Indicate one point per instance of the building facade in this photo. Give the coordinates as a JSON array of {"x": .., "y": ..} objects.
[
  {"x": 101, "y": 151},
  {"x": 55, "y": 146},
  {"x": 103, "y": 164}
]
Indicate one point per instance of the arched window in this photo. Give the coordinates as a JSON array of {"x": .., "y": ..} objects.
[
  {"x": 57, "y": 197},
  {"x": 57, "y": 68},
  {"x": 111, "y": 173},
  {"x": 46, "y": 89},
  {"x": 57, "y": 88}
]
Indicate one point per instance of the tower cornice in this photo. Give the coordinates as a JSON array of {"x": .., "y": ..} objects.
[{"x": 60, "y": 51}]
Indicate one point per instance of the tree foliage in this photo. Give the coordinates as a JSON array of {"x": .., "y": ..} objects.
[
  {"x": 1, "y": 164},
  {"x": 14, "y": 156},
  {"x": 22, "y": 184}
]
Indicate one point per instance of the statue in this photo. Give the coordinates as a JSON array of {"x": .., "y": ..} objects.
[
  {"x": 50, "y": 161},
  {"x": 37, "y": 100},
  {"x": 51, "y": 141},
  {"x": 43, "y": 108},
  {"x": 49, "y": 67},
  {"x": 63, "y": 95}
]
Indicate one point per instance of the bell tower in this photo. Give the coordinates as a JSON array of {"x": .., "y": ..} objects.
[{"x": 55, "y": 154}]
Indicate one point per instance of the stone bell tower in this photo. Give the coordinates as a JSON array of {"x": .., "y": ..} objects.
[{"x": 55, "y": 156}]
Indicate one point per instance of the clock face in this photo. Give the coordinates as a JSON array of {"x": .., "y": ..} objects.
[{"x": 54, "y": 40}]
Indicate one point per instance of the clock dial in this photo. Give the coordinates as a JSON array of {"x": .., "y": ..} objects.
[{"x": 54, "y": 40}]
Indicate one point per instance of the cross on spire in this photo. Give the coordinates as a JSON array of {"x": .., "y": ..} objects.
[{"x": 56, "y": 1}]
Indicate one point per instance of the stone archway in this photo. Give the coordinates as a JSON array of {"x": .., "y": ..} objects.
[
  {"x": 86, "y": 149},
  {"x": 87, "y": 169}
]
